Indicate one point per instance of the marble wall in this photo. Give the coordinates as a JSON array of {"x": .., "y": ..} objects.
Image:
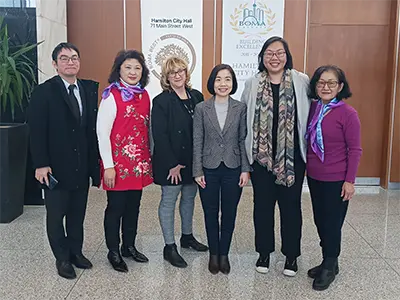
[{"x": 52, "y": 29}]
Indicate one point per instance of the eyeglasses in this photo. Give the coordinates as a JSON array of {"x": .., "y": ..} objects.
[
  {"x": 65, "y": 59},
  {"x": 278, "y": 54},
  {"x": 330, "y": 83},
  {"x": 174, "y": 73}
]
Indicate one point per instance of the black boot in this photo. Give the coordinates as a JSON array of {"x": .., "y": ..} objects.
[
  {"x": 188, "y": 241},
  {"x": 116, "y": 261},
  {"x": 314, "y": 272},
  {"x": 134, "y": 253},
  {"x": 326, "y": 276},
  {"x": 171, "y": 254},
  {"x": 65, "y": 269},
  {"x": 80, "y": 261},
  {"x": 213, "y": 264},
  {"x": 224, "y": 265}
]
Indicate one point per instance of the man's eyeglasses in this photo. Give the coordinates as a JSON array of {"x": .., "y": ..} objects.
[{"x": 65, "y": 59}]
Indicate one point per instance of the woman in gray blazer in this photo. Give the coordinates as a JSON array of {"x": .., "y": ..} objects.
[
  {"x": 277, "y": 112},
  {"x": 220, "y": 164}
]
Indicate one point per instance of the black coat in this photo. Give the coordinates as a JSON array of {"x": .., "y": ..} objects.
[
  {"x": 172, "y": 129},
  {"x": 59, "y": 139}
]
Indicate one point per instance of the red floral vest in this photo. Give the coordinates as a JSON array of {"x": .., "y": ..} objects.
[{"x": 130, "y": 143}]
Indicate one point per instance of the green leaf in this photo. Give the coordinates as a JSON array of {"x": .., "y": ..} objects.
[
  {"x": 12, "y": 63},
  {"x": 13, "y": 100},
  {"x": 17, "y": 71}
]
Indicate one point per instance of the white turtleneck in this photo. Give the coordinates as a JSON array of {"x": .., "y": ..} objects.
[{"x": 105, "y": 121}]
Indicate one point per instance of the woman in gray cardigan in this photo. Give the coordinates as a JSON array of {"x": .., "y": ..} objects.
[
  {"x": 220, "y": 164},
  {"x": 277, "y": 112}
]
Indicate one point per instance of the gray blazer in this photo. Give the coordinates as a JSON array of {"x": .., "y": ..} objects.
[
  {"x": 211, "y": 146},
  {"x": 303, "y": 103}
]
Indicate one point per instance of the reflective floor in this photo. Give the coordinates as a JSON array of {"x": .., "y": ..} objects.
[{"x": 369, "y": 264}]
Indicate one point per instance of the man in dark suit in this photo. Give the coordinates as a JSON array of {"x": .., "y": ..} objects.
[{"x": 62, "y": 122}]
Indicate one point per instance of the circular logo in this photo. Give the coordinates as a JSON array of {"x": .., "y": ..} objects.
[{"x": 170, "y": 45}]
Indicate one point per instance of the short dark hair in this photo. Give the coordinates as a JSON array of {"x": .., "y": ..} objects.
[
  {"x": 213, "y": 76},
  {"x": 61, "y": 46},
  {"x": 122, "y": 56},
  {"x": 271, "y": 40},
  {"x": 343, "y": 94}
]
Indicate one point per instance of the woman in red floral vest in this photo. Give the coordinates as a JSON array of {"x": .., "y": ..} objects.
[{"x": 123, "y": 135}]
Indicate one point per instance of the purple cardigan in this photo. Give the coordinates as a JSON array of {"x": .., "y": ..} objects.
[{"x": 342, "y": 143}]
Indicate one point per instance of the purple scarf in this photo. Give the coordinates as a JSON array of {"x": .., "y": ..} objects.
[
  {"x": 314, "y": 131},
  {"x": 127, "y": 92}
]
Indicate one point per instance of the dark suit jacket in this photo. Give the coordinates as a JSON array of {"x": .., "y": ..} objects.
[
  {"x": 172, "y": 135},
  {"x": 59, "y": 138},
  {"x": 211, "y": 145}
]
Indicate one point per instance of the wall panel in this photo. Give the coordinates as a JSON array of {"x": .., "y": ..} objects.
[
  {"x": 357, "y": 38},
  {"x": 96, "y": 27},
  {"x": 295, "y": 27},
  {"x": 350, "y": 12}
]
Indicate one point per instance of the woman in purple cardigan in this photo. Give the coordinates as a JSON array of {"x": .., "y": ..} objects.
[{"x": 333, "y": 156}]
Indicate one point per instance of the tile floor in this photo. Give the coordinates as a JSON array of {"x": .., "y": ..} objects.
[{"x": 370, "y": 260}]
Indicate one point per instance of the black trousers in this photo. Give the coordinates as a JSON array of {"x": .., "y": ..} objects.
[
  {"x": 266, "y": 194},
  {"x": 72, "y": 206},
  {"x": 329, "y": 213},
  {"x": 222, "y": 190},
  {"x": 121, "y": 205}
]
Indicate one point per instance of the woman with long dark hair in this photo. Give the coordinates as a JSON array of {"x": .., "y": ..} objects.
[{"x": 277, "y": 112}]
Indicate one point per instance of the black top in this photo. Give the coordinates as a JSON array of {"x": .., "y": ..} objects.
[
  {"x": 275, "y": 95},
  {"x": 59, "y": 139},
  {"x": 172, "y": 128},
  {"x": 188, "y": 104}
]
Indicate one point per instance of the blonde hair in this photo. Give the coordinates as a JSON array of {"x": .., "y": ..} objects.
[{"x": 169, "y": 65}]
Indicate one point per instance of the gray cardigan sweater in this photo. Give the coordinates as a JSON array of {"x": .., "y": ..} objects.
[{"x": 249, "y": 96}]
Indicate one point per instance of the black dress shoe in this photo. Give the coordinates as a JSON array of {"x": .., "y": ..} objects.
[
  {"x": 80, "y": 261},
  {"x": 224, "y": 265},
  {"x": 324, "y": 279},
  {"x": 188, "y": 241},
  {"x": 132, "y": 252},
  {"x": 314, "y": 272},
  {"x": 65, "y": 269},
  {"x": 213, "y": 264},
  {"x": 171, "y": 254},
  {"x": 116, "y": 261}
]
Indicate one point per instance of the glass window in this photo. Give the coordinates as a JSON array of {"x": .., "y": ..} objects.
[{"x": 17, "y": 3}]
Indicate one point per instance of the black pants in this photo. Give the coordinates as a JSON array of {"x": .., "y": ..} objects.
[
  {"x": 329, "y": 214},
  {"x": 72, "y": 206},
  {"x": 266, "y": 194},
  {"x": 222, "y": 186},
  {"x": 125, "y": 205}
]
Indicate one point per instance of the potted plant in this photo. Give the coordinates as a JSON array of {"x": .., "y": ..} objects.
[{"x": 17, "y": 79}]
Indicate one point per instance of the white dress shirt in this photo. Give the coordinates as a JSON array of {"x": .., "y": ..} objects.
[{"x": 76, "y": 92}]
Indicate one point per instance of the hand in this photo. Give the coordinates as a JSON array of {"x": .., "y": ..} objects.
[
  {"x": 347, "y": 191},
  {"x": 109, "y": 177},
  {"x": 244, "y": 179},
  {"x": 41, "y": 175},
  {"x": 175, "y": 174},
  {"x": 201, "y": 181}
]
